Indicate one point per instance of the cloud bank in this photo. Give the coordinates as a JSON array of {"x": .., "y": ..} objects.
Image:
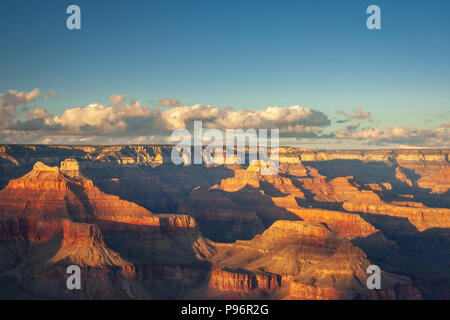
[
  {"x": 125, "y": 121},
  {"x": 399, "y": 135}
]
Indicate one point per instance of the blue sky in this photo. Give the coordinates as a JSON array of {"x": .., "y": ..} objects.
[{"x": 245, "y": 54}]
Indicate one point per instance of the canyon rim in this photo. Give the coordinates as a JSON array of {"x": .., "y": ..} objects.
[{"x": 140, "y": 227}]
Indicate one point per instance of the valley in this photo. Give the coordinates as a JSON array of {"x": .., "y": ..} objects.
[{"x": 141, "y": 227}]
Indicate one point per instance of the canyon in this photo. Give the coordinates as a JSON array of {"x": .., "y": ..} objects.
[{"x": 140, "y": 227}]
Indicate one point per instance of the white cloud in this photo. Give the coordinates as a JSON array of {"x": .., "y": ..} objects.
[
  {"x": 291, "y": 121},
  {"x": 99, "y": 119},
  {"x": 400, "y": 135},
  {"x": 357, "y": 114},
  {"x": 135, "y": 121},
  {"x": 38, "y": 114},
  {"x": 9, "y": 103},
  {"x": 167, "y": 102},
  {"x": 124, "y": 121}
]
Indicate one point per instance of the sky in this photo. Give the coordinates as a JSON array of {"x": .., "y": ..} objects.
[{"x": 137, "y": 70}]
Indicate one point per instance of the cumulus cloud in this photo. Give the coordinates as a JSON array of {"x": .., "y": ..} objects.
[
  {"x": 9, "y": 103},
  {"x": 291, "y": 121},
  {"x": 92, "y": 120},
  {"x": 99, "y": 119},
  {"x": 132, "y": 121},
  {"x": 401, "y": 135},
  {"x": 38, "y": 114},
  {"x": 123, "y": 121},
  {"x": 166, "y": 102}
]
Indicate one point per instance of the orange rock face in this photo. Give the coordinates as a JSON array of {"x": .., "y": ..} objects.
[
  {"x": 304, "y": 260},
  {"x": 140, "y": 227},
  {"x": 345, "y": 224},
  {"x": 308, "y": 292},
  {"x": 29, "y": 229},
  {"x": 438, "y": 181},
  {"x": 241, "y": 281},
  {"x": 63, "y": 212},
  {"x": 80, "y": 233}
]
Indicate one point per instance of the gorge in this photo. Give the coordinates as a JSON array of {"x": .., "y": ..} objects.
[{"x": 141, "y": 227}]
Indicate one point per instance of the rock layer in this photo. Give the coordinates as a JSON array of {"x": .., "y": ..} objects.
[{"x": 136, "y": 223}]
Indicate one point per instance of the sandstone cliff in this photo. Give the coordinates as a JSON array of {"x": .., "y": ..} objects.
[{"x": 139, "y": 223}]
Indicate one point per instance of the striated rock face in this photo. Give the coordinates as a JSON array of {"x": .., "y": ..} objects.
[
  {"x": 437, "y": 181},
  {"x": 41, "y": 178},
  {"x": 242, "y": 281},
  {"x": 81, "y": 234},
  {"x": 348, "y": 225},
  {"x": 104, "y": 273},
  {"x": 139, "y": 225},
  {"x": 82, "y": 243},
  {"x": 306, "y": 233},
  {"x": 71, "y": 168},
  {"x": 400, "y": 292},
  {"x": 304, "y": 260},
  {"x": 30, "y": 229},
  {"x": 354, "y": 198},
  {"x": 309, "y": 292},
  {"x": 52, "y": 192},
  {"x": 48, "y": 192},
  {"x": 421, "y": 218},
  {"x": 53, "y": 217},
  {"x": 400, "y": 175}
]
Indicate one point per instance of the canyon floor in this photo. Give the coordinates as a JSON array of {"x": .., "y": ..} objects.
[{"x": 140, "y": 227}]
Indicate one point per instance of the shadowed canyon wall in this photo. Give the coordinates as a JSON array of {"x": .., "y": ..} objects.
[{"x": 140, "y": 227}]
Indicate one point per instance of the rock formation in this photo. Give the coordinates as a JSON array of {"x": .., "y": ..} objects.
[{"x": 141, "y": 227}]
